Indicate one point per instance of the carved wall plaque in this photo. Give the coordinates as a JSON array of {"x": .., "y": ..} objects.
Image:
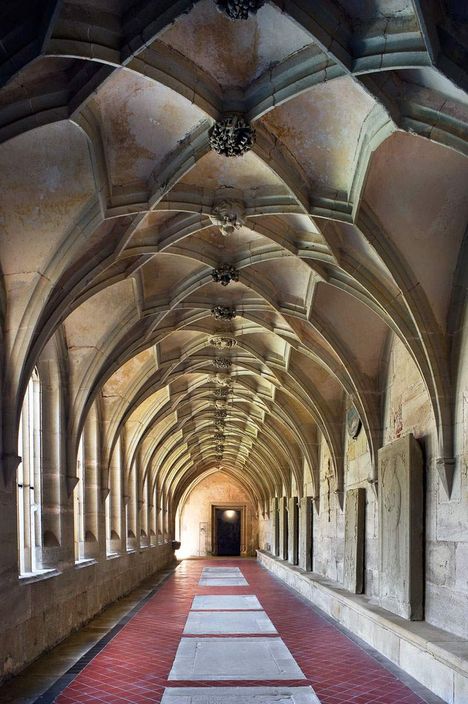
[
  {"x": 353, "y": 423},
  {"x": 355, "y": 506},
  {"x": 401, "y": 539}
]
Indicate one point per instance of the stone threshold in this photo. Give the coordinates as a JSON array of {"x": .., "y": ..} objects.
[{"x": 436, "y": 658}]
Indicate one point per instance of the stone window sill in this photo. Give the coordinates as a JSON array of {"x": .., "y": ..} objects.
[
  {"x": 39, "y": 576},
  {"x": 79, "y": 564},
  {"x": 113, "y": 555}
]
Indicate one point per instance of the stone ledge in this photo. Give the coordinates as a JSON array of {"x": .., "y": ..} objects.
[
  {"x": 435, "y": 658},
  {"x": 39, "y": 576}
]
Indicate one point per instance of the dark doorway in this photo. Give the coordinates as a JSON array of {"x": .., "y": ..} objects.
[{"x": 228, "y": 531}]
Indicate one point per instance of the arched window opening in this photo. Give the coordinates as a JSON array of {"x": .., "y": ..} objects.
[
  {"x": 79, "y": 509},
  {"x": 29, "y": 478}
]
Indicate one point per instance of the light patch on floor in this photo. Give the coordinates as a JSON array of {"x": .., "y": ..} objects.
[
  {"x": 240, "y": 695},
  {"x": 224, "y": 602},
  {"x": 228, "y": 622},
  {"x": 234, "y": 659}
]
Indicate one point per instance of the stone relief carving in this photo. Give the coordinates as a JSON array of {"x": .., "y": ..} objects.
[
  {"x": 220, "y": 404},
  {"x": 221, "y": 413},
  {"x": 232, "y": 136},
  {"x": 221, "y": 378},
  {"x": 222, "y": 393},
  {"x": 228, "y": 215},
  {"x": 223, "y": 312},
  {"x": 222, "y": 362},
  {"x": 222, "y": 342},
  {"x": 224, "y": 274},
  {"x": 219, "y": 437},
  {"x": 239, "y": 9}
]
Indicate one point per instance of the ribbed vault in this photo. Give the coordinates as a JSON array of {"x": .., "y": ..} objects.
[{"x": 344, "y": 232}]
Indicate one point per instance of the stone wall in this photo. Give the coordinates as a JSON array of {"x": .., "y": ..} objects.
[
  {"x": 38, "y": 613},
  {"x": 195, "y": 517},
  {"x": 406, "y": 409}
]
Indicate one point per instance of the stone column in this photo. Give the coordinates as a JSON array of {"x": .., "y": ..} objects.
[
  {"x": 52, "y": 452},
  {"x": 293, "y": 530},
  {"x": 133, "y": 510},
  {"x": 305, "y": 534},
  {"x": 283, "y": 527},
  {"x": 91, "y": 478},
  {"x": 355, "y": 506},
  {"x": 116, "y": 504},
  {"x": 274, "y": 527},
  {"x": 153, "y": 519},
  {"x": 401, "y": 529},
  {"x": 9, "y": 567}
]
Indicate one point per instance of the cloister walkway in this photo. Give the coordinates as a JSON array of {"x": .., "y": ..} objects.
[{"x": 228, "y": 632}]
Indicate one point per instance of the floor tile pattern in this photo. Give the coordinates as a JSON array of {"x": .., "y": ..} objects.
[{"x": 133, "y": 667}]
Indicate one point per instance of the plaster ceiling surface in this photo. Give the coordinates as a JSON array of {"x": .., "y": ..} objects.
[{"x": 347, "y": 224}]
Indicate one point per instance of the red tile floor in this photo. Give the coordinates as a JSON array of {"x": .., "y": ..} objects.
[{"x": 133, "y": 667}]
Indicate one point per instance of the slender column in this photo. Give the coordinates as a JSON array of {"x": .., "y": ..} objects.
[
  {"x": 8, "y": 520},
  {"x": 305, "y": 534},
  {"x": 153, "y": 515},
  {"x": 92, "y": 502},
  {"x": 143, "y": 523},
  {"x": 132, "y": 512},
  {"x": 116, "y": 506},
  {"x": 274, "y": 527},
  {"x": 51, "y": 465},
  {"x": 293, "y": 530},
  {"x": 283, "y": 527}
]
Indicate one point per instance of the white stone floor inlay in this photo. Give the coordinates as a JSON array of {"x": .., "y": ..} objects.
[
  {"x": 225, "y": 601},
  {"x": 223, "y": 582},
  {"x": 240, "y": 695},
  {"x": 217, "y": 570},
  {"x": 228, "y": 622},
  {"x": 234, "y": 659}
]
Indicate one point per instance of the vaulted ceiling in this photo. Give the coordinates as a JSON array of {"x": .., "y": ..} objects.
[{"x": 345, "y": 223}]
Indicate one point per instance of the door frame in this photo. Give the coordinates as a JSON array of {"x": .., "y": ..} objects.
[{"x": 214, "y": 533}]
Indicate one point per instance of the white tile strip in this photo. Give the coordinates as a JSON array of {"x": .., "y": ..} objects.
[
  {"x": 219, "y": 622},
  {"x": 225, "y": 601},
  {"x": 240, "y": 695},
  {"x": 234, "y": 659}
]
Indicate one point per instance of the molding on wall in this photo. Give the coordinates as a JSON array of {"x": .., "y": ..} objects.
[{"x": 435, "y": 658}]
